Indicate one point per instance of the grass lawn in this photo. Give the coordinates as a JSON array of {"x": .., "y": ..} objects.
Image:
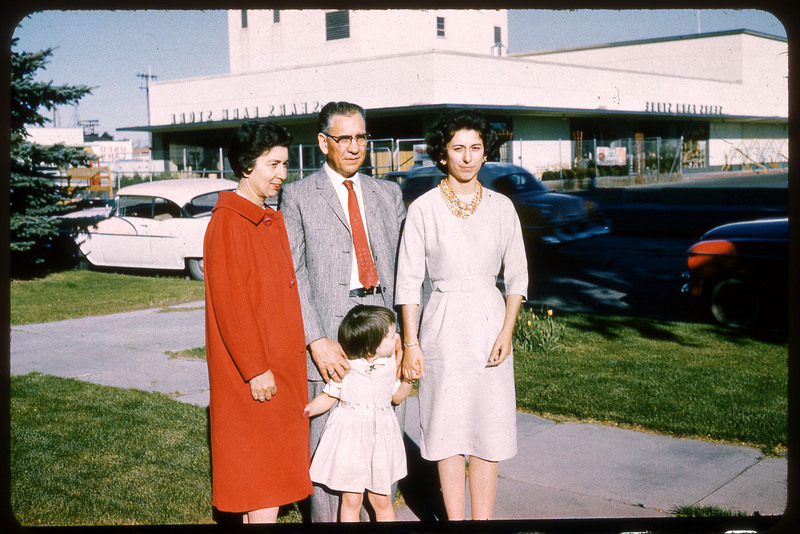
[
  {"x": 70, "y": 294},
  {"x": 83, "y": 454},
  {"x": 683, "y": 379}
]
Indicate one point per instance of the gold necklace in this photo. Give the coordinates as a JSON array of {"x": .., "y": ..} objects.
[{"x": 456, "y": 206}]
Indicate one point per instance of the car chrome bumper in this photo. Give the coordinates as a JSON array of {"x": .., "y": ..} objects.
[{"x": 574, "y": 232}]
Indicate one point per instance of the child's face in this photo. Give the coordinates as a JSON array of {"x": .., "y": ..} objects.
[{"x": 388, "y": 343}]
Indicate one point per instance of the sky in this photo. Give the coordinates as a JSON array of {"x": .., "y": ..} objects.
[{"x": 113, "y": 51}]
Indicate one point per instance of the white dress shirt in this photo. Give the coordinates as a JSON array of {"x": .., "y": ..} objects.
[{"x": 341, "y": 191}]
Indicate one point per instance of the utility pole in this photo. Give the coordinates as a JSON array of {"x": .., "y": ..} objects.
[{"x": 146, "y": 80}]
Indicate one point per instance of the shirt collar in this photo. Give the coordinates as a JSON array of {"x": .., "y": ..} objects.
[
  {"x": 377, "y": 362},
  {"x": 337, "y": 178}
]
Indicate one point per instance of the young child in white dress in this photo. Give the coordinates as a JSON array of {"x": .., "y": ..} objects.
[{"x": 361, "y": 448}]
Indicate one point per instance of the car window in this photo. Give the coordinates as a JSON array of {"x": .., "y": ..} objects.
[
  {"x": 514, "y": 183},
  {"x": 202, "y": 205},
  {"x": 416, "y": 186},
  {"x": 165, "y": 209},
  {"x": 134, "y": 206}
]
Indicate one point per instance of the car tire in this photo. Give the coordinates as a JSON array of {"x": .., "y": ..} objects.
[
  {"x": 735, "y": 303},
  {"x": 195, "y": 267}
]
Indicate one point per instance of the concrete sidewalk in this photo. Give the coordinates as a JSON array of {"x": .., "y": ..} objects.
[{"x": 564, "y": 470}]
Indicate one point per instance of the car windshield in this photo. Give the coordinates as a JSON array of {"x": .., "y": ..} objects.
[{"x": 202, "y": 205}]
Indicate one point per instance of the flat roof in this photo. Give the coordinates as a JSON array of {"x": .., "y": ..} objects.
[{"x": 649, "y": 41}]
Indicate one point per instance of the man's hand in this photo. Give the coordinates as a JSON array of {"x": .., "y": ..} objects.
[{"x": 329, "y": 358}]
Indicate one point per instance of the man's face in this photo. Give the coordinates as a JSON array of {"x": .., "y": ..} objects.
[{"x": 345, "y": 156}]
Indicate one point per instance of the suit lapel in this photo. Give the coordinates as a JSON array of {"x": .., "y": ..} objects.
[
  {"x": 373, "y": 213},
  {"x": 326, "y": 191}
]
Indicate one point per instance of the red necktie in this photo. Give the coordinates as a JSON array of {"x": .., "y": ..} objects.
[{"x": 367, "y": 274}]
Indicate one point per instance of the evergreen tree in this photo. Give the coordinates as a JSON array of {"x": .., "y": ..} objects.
[{"x": 33, "y": 196}]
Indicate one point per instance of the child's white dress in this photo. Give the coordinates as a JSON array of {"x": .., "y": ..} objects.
[{"x": 362, "y": 445}]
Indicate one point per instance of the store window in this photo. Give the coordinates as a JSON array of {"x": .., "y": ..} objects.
[
  {"x": 337, "y": 25},
  {"x": 276, "y": 16},
  {"x": 244, "y": 18},
  {"x": 440, "y": 26}
]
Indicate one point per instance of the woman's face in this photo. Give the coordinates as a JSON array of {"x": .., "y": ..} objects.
[
  {"x": 464, "y": 155},
  {"x": 388, "y": 343},
  {"x": 269, "y": 171}
]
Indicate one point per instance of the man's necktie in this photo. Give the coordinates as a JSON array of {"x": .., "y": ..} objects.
[{"x": 367, "y": 274}]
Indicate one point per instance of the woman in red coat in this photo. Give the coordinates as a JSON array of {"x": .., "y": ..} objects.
[{"x": 254, "y": 338}]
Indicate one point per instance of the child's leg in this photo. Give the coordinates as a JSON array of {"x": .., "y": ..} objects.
[
  {"x": 351, "y": 507},
  {"x": 383, "y": 506}
]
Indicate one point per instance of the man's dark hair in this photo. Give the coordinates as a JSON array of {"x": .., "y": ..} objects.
[
  {"x": 251, "y": 140},
  {"x": 363, "y": 329},
  {"x": 446, "y": 127},
  {"x": 338, "y": 108}
]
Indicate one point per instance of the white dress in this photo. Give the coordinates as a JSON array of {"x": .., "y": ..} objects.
[
  {"x": 361, "y": 445},
  {"x": 466, "y": 407}
]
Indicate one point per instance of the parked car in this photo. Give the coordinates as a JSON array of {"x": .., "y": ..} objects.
[
  {"x": 153, "y": 225},
  {"x": 397, "y": 177},
  {"x": 742, "y": 271},
  {"x": 546, "y": 217}
]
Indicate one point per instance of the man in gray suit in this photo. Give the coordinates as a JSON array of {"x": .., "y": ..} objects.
[{"x": 317, "y": 211}]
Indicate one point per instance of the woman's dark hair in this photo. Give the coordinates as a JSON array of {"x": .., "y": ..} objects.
[
  {"x": 363, "y": 329},
  {"x": 446, "y": 127},
  {"x": 345, "y": 109},
  {"x": 253, "y": 139}
]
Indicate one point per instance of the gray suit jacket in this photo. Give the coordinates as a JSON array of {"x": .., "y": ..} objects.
[{"x": 319, "y": 235}]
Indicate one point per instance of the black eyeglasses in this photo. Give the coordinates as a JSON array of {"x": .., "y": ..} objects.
[{"x": 345, "y": 140}]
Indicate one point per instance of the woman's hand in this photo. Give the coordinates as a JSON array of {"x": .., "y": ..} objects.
[
  {"x": 501, "y": 348},
  {"x": 413, "y": 363},
  {"x": 329, "y": 358},
  {"x": 263, "y": 387},
  {"x": 504, "y": 342}
]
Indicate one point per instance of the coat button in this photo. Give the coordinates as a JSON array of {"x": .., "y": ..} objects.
[
  {"x": 267, "y": 221},
  {"x": 291, "y": 284}
]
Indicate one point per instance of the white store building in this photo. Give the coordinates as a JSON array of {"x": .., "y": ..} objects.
[{"x": 723, "y": 96}]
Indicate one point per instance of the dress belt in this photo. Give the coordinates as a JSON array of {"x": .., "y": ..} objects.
[
  {"x": 364, "y": 407},
  {"x": 363, "y": 292},
  {"x": 466, "y": 284}
]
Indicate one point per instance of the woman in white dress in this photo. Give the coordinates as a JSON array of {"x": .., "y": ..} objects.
[
  {"x": 462, "y": 235},
  {"x": 361, "y": 447}
]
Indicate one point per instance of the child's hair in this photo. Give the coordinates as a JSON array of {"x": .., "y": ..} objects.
[{"x": 363, "y": 329}]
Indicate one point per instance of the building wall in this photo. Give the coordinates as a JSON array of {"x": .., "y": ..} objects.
[
  {"x": 713, "y": 58},
  {"x": 737, "y": 143},
  {"x": 72, "y": 137},
  {"x": 394, "y": 60},
  {"x": 449, "y": 78},
  {"x": 299, "y": 38}
]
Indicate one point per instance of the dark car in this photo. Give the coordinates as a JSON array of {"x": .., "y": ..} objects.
[
  {"x": 742, "y": 270},
  {"x": 546, "y": 217},
  {"x": 397, "y": 177}
]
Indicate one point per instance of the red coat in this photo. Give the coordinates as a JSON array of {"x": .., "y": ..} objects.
[{"x": 259, "y": 451}]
